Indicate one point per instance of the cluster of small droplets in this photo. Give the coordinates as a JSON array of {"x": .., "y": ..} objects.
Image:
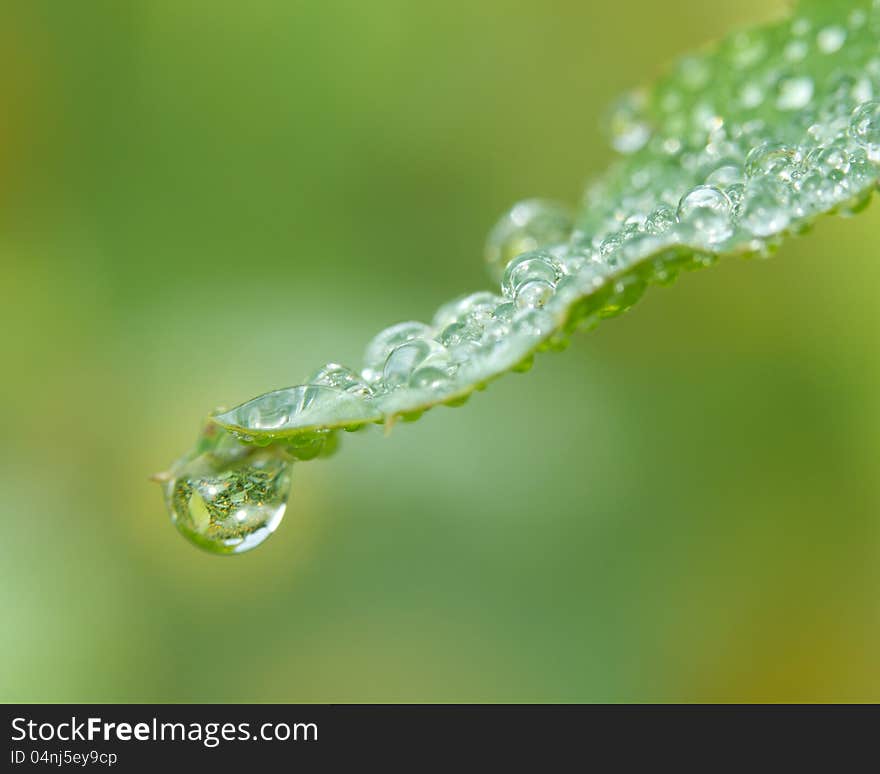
[
  {"x": 743, "y": 144},
  {"x": 732, "y": 150}
]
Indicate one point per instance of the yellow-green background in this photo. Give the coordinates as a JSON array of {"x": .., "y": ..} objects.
[{"x": 201, "y": 201}]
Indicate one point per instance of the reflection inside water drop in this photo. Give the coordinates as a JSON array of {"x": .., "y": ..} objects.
[{"x": 229, "y": 500}]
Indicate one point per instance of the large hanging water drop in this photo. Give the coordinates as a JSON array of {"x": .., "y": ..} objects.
[{"x": 231, "y": 497}]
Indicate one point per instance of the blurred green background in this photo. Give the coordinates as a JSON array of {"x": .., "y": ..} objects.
[{"x": 201, "y": 201}]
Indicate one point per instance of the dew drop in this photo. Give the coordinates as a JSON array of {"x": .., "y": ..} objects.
[
  {"x": 310, "y": 445},
  {"x": 458, "y": 334},
  {"x": 289, "y": 410},
  {"x": 229, "y": 503},
  {"x": 634, "y": 224},
  {"x": 532, "y": 323},
  {"x": 575, "y": 260},
  {"x": 751, "y": 95},
  {"x": 526, "y": 226},
  {"x": 627, "y": 125},
  {"x": 404, "y": 360},
  {"x": 817, "y": 188},
  {"x": 831, "y": 157},
  {"x": 479, "y": 307},
  {"x": 796, "y": 51},
  {"x": 735, "y": 193},
  {"x": 725, "y": 175},
  {"x": 861, "y": 172},
  {"x": 694, "y": 72},
  {"x": 763, "y": 211},
  {"x": 504, "y": 312},
  {"x": 800, "y": 26},
  {"x": 385, "y": 341},
  {"x": 476, "y": 306},
  {"x": 707, "y": 209},
  {"x": 794, "y": 93},
  {"x": 533, "y": 294},
  {"x": 341, "y": 378},
  {"x": 863, "y": 90},
  {"x": 610, "y": 245},
  {"x": 831, "y": 39},
  {"x": 746, "y": 49},
  {"x": 660, "y": 220},
  {"x": 536, "y": 265},
  {"x": 771, "y": 158},
  {"x": 864, "y": 128},
  {"x": 429, "y": 378},
  {"x": 857, "y": 18}
]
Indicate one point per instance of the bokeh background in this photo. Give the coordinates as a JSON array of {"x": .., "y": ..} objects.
[{"x": 202, "y": 201}]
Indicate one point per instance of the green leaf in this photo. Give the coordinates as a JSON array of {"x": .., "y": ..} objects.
[{"x": 735, "y": 148}]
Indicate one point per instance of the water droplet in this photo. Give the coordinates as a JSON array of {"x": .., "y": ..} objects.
[
  {"x": 863, "y": 90},
  {"x": 794, "y": 93},
  {"x": 746, "y": 49},
  {"x": 763, "y": 210},
  {"x": 771, "y": 158},
  {"x": 857, "y": 18},
  {"x": 801, "y": 26},
  {"x": 726, "y": 175},
  {"x": 536, "y": 265},
  {"x": 864, "y": 128},
  {"x": 457, "y": 334},
  {"x": 634, "y": 224},
  {"x": 817, "y": 188},
  {"x": 707, "y": 209},
  {"x": 834, "y": 156},
  {"x": 228, "y": 504},
  {"x": 532, "y": 323},
  {"x": 831, "y": 39},
  {"x": 706, "y": 118},
  {"x": 861, "y": 173},
  {"x": 526, "y": 226},
  {"x": 694, "y": 72},
  {"x": 341, "y": 378},
  {"x": 479, "y": 305},
  {"x": 627, "y": 124},
  {"x": 308, "y": 446},
  {"x": 404, "y": 360},
  {"x": 660, "y": 220},
  {"x": 533, "y": 294},
  {"x": 430, "y": 378},
  {"x": 751, "y": 95},
  {"x": 796, "y": 51},
  {"x": 575, "y": 259},
  {"x": 611, "y": 245},
  {"x": 282, "y": 412},
  {"x": 504, "y": 312},
  {"x": 383, "y": 342},
  {"x": 735, "y": 193}
]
